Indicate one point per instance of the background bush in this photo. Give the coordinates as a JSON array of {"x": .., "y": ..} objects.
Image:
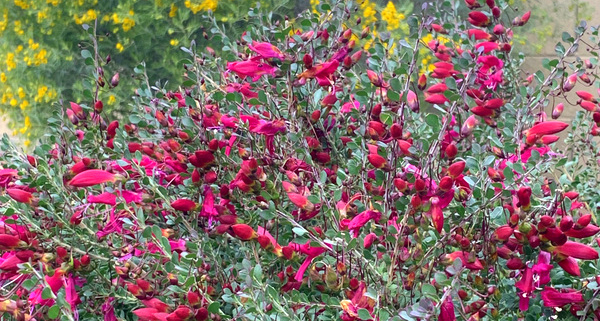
[{"x": 42, "y": 40}]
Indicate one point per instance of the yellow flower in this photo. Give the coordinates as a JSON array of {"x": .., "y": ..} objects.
[
  {"x": 21, "y": 92},
  {"x": 2, "y": 77},
  {"x": 131, "y": 13},
  {"x": 173, "y": 11},
  {"x": 313, "y": 5},
  {"x": 53, "y": 2},
  {"x": 391, "y": 16},
  {"x": 24, "y": 104},
  {"x": 27, "y": 142},
  {"x": 128, "y": 23},
  {"x": 369, "y": 11},
  {"x": 205, "y": 5},
  {"x": 174, "y": 42},
  {"x": 115, "y": 18},
  {"x": 22, "y": 4},
  {"x": 111, "y": 99},
  {"x": 119, "y": 47},
  {"x": 10, "y": 61},
  {"x": 41, "y": 92},
  {"x": 40, "y": 57},
  {"x": 13, "y": 102}
]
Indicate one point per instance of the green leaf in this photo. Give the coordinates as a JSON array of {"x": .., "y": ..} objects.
[
  {"x": 363, "y": 314},
  {"x": 53, "y": 312},
  {"x": 86, "y": 54},
  {"x": 257, "y": 272},
  {"x": 395, "y": 84},
  {"x": 393, "y": 96},
  {"x": 214, "y": 307},
  {"x": 46, "y": 293}
]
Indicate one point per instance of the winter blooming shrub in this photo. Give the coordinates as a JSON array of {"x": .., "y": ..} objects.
[{"x": 299, "y": 176}]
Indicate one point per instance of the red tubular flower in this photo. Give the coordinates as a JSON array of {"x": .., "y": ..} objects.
[
  {"x": 301, "y": 201},
  {"x": 369, "y": 239},
  {"x": 251, "y": 68},
  {"x": 437, "y": 88},
  {"x": 437, "y": 99},
  {"x": 487, "y": 46},
  {"x": 184, "y": 205},
  {"x": 569, "y": 84},
  {"x": 525, "y": 284},
  {"x": 11, "y": 242},
  {"x": 586, "y": 96},
  {"x": 202, "y": 159},
  {"x": 378, "y": 161},
  {"x": 468, "y": 126},
  {"x": 244, "y": 232},
  {"x": 77, "y": 110},
  {"x": 555, "y": 299},
  {"x": 524, "y": 196},
  {"x": 266, "y": 50},
  {"x": 146, "y": 314},
  {"x": 447, "y": 310},
  {"x": 422, "y": 82},
  {"x": 570, "y": 266},
  {"x": 576, "y": 250},
  {"x": 547, "y": 128},
  {"x": 482, "y": 111},
  {"x": 412, "y": 101},
  {"x": 464, "y": 257},
  {"x": 478, "y": 34},
  {"x": 361, "y": 219},
  {"x": 92, "y": 177},
  {"x": 589, "y": 230},
  {"x": 437, "y": 215},
  {"x": 375, "y": 79},
  {"x": 504, "y": 232},
  {"x": 478, "y": 18},
  {"x": 456, "y": 169},
  {"x": 20, "y": 195}
]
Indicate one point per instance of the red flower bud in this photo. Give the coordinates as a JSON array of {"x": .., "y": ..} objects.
[
  {"x": 243, "y": 232},
  {"x": 524, "y": 196},
  {"x": 558, "y": 110},
  {"x": 92, "y": 177},
  {"x": 20, "y": 195},
  {"x": 378, "y": 161},
  {"x": 114, "y": 81},
  {"x": 566, "y": 223},
  {"x": 308, "y": 61},
  {"x": 98, "y": 106},
  {"x": 584, "y": 220},
  {"x": 451, "y": 151},
  {"x": 422, "y": 82},
  {"x": 570, "y": 82},
  {"x": 301, "y": 201},
  {"x": 446, "y": 183},
  {"x": 456, "y": 169},
  {"x": 202, "y": 159},
  {"x": 515, "y": 264},
  {"x": 184, "y": 205}
]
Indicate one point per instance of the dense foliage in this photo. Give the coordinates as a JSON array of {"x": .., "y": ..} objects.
[
  {"x": 316, "y": 171},
  {"x": 41, "y": 42}
]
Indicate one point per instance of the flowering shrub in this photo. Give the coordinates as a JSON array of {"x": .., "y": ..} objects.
[
  {"x": 298, "y": 176},
  {"x": 41, "y": 39}
]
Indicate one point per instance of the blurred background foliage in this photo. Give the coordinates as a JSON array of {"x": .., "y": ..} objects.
[{"x": 44, "y": 47}]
